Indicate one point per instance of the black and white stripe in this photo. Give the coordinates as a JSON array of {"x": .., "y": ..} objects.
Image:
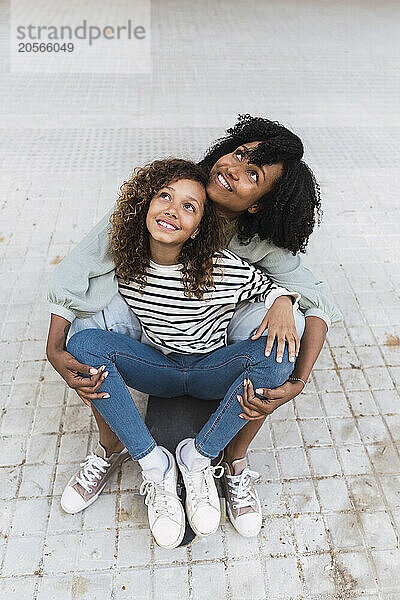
[{"x": 176, "y": 323}]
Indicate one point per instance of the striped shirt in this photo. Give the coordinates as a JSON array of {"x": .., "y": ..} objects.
[{"x": 175, "y": 323}]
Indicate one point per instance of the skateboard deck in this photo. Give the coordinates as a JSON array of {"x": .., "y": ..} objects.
[{"x": 171, "y": 420}]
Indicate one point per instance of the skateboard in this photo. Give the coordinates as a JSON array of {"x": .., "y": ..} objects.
[{"x": 171, "y": 420}]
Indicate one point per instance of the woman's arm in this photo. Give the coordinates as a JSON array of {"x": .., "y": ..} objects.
[
  {"x": 288, "y": 271},
  {"x": 67, "y": 366},
  {"x": 311, "y": 344},
  {"x": 255, "y": 410},
  {"x": 84, "y": 282}
]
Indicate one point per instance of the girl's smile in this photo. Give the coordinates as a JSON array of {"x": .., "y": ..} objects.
[
  {"x": 164, "y": 224},
  {"x": 173, "y": 217}
]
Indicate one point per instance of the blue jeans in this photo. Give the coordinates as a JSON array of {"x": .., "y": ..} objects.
[{"x": 215, "y": 375}]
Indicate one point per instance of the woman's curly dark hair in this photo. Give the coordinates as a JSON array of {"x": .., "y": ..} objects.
[
  {"x": 130, "y": 237},
  {"x": 288, "y": 212}
]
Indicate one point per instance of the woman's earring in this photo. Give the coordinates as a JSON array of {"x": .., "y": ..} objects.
[{"x": 194, "y": 234}]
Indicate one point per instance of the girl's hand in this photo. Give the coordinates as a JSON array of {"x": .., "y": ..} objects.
[
  {"x": 255, "y": 408},
  {"x": 70, "y": 370},
  {"x": 280, "y": 323}
]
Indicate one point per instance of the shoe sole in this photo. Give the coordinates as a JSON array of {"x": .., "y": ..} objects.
[{"x": 93, "y": 498}]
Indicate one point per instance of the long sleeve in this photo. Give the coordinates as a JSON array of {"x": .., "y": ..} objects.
[
  {"x": 261, "y": 288},
  {"x": 255, "y": 284},
  {"x": 84, "y": 282},
  {"x": 288, "y": 271}
]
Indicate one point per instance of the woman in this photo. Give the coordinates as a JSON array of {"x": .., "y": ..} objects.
[
  {"x": 271, "y": 202},
  {"x": 183, "y": 287}
]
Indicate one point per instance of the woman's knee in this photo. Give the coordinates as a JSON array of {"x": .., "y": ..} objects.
[
  {"x": 300, "y": 322},
  {"x": 248, "y": 317}
]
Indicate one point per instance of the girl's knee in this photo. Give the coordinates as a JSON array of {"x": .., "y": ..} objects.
[
  {"x": 268, "y": 361},
  {"x": 83, "y": 342}
]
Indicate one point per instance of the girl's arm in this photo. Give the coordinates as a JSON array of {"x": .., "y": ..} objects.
[
  {"x": 84, "y": 282},
  {"x": 278, "y": 300},
  {"x": 288, "y": 271}
]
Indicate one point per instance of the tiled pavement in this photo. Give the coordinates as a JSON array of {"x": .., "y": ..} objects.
[{"x": 330, "y": 461}]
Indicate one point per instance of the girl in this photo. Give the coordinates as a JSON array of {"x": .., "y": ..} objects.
[
  {"x": 270, "y": 201},
  {"x": 166, "y": 241}
]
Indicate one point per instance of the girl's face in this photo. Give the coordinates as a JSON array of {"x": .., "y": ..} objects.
[
  {"x": 175, "y": 212},
  {"x": 235, "y": 185}
]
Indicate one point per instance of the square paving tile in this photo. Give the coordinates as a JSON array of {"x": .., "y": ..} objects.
[{"x": 329, "y": 461}]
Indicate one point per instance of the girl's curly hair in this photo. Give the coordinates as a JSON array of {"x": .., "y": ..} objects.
[
  {"x": 130, "y": 237},
  {"x": 290, "y": 210}
]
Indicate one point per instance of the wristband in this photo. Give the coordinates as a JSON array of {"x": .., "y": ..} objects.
[{"x": 298, "y": 379}]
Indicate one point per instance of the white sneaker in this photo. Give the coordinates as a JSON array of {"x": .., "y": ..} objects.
[
  {"x": 86, "y": 485},
  {"x": 164, "y": 508},
  {"x": 202, "y": 501},
  {"x": 242, "y": 501}
]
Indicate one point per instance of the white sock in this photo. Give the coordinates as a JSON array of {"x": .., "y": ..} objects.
[
  {"x": 192, "y": 459},
  {"x": 155, "y": 463}
]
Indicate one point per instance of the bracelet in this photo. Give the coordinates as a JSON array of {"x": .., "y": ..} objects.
[{"x": 298, "y": 379}]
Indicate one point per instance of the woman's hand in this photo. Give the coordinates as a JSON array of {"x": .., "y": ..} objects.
[
  {"x": 280, "y": 323},
  {"x": 70, "y": 370},
  {"x": 255, "y": 408},
  {"x": 68, "y": 367}
]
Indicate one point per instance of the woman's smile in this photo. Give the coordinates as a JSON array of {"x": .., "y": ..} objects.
[
  {"x": 235, "y": 185},
  {"x": 221, "y": 181}
]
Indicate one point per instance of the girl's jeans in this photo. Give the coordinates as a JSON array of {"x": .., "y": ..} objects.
[
  {"x": 205, "y": 376},
  {"x": 117, "y": 317}
]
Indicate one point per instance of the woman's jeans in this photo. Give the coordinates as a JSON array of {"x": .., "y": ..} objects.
[{"x": 218, "y": 374}]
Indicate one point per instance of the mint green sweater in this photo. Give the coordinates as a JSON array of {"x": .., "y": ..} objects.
[{"x": 85, "y": 282}]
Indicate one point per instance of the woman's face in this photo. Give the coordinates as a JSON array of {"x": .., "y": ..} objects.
[
  {"x": 175, "y": 212},
  {"x": 235, "y": 185}
]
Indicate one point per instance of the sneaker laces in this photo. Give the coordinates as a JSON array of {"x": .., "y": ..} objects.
[
  {"x": 240, "y": 486},
  {"x": 162, "y": 501},
  {"x": 198, "y": 483},
  {"x": 92, "y": 468}
]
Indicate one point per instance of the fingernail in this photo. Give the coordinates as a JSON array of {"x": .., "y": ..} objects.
[
  {"x": 105, "y": 374},
  {"x": 245, "y": 381},
  {"x": 93, "y": 371},
  {"x": 279, "y": 359},
  {"x": 291, "y": 359},
  {"x": 267, "y": 353},
  {"x": 106, "y": 396},
  {"x": 259, "y": 391},
  {"x": 102, "y": 368},
  {"x": 239, "y": 398},
  {"x": 241, "y": 417}
]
